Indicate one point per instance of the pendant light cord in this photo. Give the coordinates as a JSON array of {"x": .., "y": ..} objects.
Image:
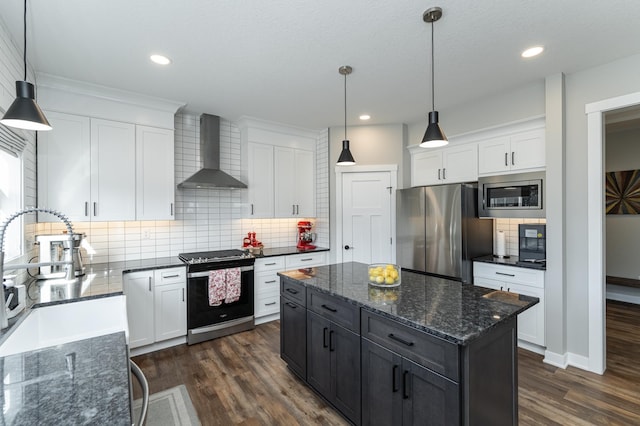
[
  {"x": 25, "y": 40},
  {"x": 345, "y": 106},
  {"x": 433, "y": 79}
]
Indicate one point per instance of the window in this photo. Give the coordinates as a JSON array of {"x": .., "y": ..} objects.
[{"x": 11, "y": 202}]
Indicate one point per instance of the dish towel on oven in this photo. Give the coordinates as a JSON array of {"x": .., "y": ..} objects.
[
  {"x": 224, "y": 285},
  {"x": 233, "y": 285}
]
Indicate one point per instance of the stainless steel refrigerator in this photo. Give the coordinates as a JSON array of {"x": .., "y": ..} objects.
[{"x": 439, "y": 232}]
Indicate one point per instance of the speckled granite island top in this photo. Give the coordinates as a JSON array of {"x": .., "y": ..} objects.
[
  {"x": 78, "y": 383},
  {"x": 445, "y": 308}
]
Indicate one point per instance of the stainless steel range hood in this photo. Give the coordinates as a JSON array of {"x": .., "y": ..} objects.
[{"x": 210, "y": 176}]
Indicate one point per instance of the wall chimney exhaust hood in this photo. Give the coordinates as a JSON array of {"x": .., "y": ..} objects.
[{"x": 210, "y": 176}]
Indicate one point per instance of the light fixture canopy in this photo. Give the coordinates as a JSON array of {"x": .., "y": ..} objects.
[
  {"x": 24, "y": 112},
  {"x": 433, "y": 136},
  {"x": 345, "y": 159}
]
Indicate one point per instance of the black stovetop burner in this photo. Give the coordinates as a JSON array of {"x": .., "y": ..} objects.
[{"x": 213, "y": 256}]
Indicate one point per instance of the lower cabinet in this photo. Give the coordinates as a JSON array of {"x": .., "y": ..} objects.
[
  {"x": 397, "y": 391},
  {"x": 293, "y": 332},
  {"x": 156, "y": 305},
  {"x": 333, "y": 364}
]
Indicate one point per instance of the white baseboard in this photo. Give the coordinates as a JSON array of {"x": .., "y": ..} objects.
[
  {"x": 267, "y": 318},
  {"x": 579, "y": 361},
  {"x": 158, "y": 346},
  {"x": 556, "y": 359},
  {"x": 623, "y": 294},
  {"x": 531, "y": 347}
]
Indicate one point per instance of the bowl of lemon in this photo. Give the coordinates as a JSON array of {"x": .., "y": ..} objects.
[{"x": 384, "y": 275}]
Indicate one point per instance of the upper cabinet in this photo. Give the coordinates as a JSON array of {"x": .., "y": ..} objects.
[
  {"x": 110, "y": 155},
  {"x": 280, "y": 169},
  {"x": 516, "y": 152},
  {"x": 444, "y": 165}
]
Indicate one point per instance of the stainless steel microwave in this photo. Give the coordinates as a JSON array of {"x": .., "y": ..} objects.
[{"x": 518, "y": 195}]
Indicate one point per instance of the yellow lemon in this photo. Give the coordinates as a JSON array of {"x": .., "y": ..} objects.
[
  {"x": 394, "y": 274},
  {"x": 389, "y": 280},
  {"x": 372, "y": 278},
  {"x": 380, "y": 279},
  {"x": 390, "y": 266}
]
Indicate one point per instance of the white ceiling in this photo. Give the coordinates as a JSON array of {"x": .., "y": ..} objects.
[{"x": 279, "y": 59}]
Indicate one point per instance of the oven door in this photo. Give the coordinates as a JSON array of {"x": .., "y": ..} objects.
[{"x": 200, "y": 314}]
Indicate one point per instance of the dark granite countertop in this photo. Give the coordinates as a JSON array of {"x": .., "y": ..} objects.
[
  {"x": 511, "y": 261},
  {"x": 39, "y": 388},
  {"x": 285, "y": 251},
  {"x": 448, "y": 309}
]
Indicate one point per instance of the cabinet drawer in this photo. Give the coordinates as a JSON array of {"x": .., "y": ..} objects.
[
  {"x": 293, "y": 291},
  {"x": 267, "y": 303},
  {"x": 429, "y": 351},
  {"x": 170, "y": 276},
  {"x": 341, "y": 312},
  {"x": 267, "y": 282},
  {"x": 509, "y": 274},
  {"x": 305, "y": 260},
  {"x": 269, "y": 264}
]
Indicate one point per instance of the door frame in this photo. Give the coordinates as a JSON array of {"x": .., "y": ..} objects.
[
  {"x": 340, "y": 172},
  {"x": 596, "y": 224}
]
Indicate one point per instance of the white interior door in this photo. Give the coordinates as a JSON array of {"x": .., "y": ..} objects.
[{"x": 366, "y": 217}]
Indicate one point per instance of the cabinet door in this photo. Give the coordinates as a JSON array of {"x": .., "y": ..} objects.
[
  {"x": 138, "y": 287},
  {"x": 381, "y": 385},
  {"x": 318, "y": 355},
  {"x": 528, "y": 150},
  {"x": 293, "y": 336},
  {"x": 460, "y": 164},
  {"x": 489, "y": 283},
  {"x": 344, "y": 347},
  {"x": 494, "y": 156},
  {"x": 170, "y": 311},
  {"x": 261, "y": 179},
  {"x": 285, "y": 182},
  {"x": 426, "y": 168},
  {"x": 64, "y": 167},
  {"x": 428, "y": 398},
  {"x": 531, "y": 324},
  {"x": 113, "y": 156},
  {"x": 155, "y": 186},
  {"x": 305, "y": 181}
]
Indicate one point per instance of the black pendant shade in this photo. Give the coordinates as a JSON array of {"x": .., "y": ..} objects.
[
  {"x": 434, "y": 136},
  {"x": 346, "y": 159},
  {"x": 24, "y": 112}
]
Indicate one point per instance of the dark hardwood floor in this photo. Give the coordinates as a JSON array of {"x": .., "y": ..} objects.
[{"x": 241, "y": 380}]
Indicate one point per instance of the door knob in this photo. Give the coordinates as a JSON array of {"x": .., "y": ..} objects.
[{"x": 347, "y": 247}]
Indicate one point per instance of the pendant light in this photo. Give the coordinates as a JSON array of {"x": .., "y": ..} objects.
[
  {"x": 345, "y": 159},
  {"x": 434, "y": 136},
  {"x": 24, "y": 112}
]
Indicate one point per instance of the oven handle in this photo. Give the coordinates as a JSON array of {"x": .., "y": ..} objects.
[
  {"x": 220, "y": 326},
  {"x": 206, "y": 273}
]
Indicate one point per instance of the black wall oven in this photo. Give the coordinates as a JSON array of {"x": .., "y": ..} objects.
[{"x": 205, "y": 322}]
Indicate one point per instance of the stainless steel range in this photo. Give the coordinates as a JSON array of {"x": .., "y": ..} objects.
[{"x": 204, "y": 321}]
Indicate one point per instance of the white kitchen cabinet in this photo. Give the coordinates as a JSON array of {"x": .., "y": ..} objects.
[
  {"x": 529, "y": 282},
  {"x": 156, "y": 305},
  {"x": 306, "y": 260},
  {"x": 520, "y": 151},
  {"x": 138, "y": 287},
  {"x": 64, "y": 169},
  {"x": 267, "y": 286},
  {"x": 261, "y": 180},
  {"x": 155, "y": 186},
  {"x": 294, "y": 182},
  {"x": 445, "y": 165}
]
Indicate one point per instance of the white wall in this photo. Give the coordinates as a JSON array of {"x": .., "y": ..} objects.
[{"x": 623, "y": 230}]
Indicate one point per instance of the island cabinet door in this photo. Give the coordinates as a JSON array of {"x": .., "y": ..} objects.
[
  {"x": 344, "y": 347},
  {"x": 318, "y": 355},
  {"x": 293, "y": 334},
  {"x": 428, "y": 398},
  {"x": 381, "y": 385}
]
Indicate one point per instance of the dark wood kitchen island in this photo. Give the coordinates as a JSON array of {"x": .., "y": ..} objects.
[{"x": 431, "y": 351}]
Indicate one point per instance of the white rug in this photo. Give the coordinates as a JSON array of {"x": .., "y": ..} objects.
[{"x": 171, "y": 407}]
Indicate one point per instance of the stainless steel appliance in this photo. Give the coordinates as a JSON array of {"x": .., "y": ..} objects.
[
  {"x": 439, "y": 231},
  {"x": 205, "y": 322},
  {"x": 532, "y": 245},
  {"x": 515, "y": 195},
  {"x": 54, "y": 248}
]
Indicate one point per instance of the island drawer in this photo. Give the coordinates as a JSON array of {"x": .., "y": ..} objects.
[
  {"x": 339, "y": 311},
  {"x": 293, "y": 291},
  {"x": 431, "y": 352}
]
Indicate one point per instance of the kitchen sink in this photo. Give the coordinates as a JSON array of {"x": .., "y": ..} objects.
[{"x": 67, "y": 322}]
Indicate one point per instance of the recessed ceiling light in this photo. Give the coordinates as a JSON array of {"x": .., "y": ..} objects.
[
  {"x": 160, "y": 59},
  {"x": 365, "y": 117},
  {"x": 532, "y": 51}
]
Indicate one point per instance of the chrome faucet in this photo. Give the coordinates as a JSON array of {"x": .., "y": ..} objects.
[{"x": 70, "y": 274}]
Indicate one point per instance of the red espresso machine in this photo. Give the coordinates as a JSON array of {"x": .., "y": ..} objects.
[{"x": 305, "y": 236}]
